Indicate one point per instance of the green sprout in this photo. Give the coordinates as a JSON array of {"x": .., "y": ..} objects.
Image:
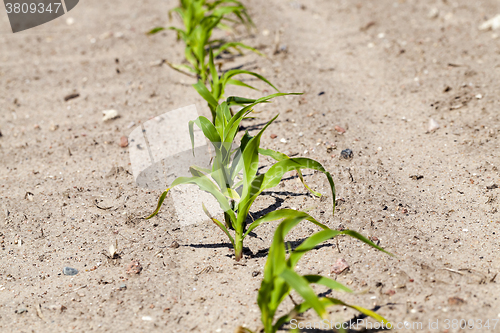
[
  {"x": 200, "y": 18},
  {"x": 280, "y": 277},
  {"x": 234, "y": 180},
  {"x": 218, "y": 85}
]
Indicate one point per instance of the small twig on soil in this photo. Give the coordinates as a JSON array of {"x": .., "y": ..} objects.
[
  {"x": 39, "y": 312},
  {"x": 130, "y": 240},
  {"x": 103, "y": 208},
  {"x": 453, "y": 270}
]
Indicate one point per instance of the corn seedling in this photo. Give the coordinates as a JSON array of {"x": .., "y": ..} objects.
[
  {"x": 200, "y": 18},
  {"x": 218, "y": 85},
  {"x": 233, "y": 179},
  {"x": 280, "y": 277}
]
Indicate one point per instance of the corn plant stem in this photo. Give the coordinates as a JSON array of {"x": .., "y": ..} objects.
[{"x": 238, "y": 246}]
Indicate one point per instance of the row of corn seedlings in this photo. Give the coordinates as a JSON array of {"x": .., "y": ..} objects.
[{"x": 233, "y": 179}]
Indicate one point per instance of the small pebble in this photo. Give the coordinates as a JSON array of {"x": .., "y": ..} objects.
[
  {"x": 20, "y": 311},
  {"x": 455, "y": 301},
  {"x": 174, "y": 245},
  {"x": 491, "y": 24},
  {"x": 283, "y": 140},
  {"x": 433, "y": 125},
  {"x": 273, "y": 136},
  {"x": 147, "y": 318},
  {"x": 346, "y": 154},
  {"x": 71, "y": 96},
  {"x": 340, "y": 129},
  {"x": 340, "y": 266},
  {"x": 134, "y": 268},
  {"x": 109, "y": 114},
  {"x": 70, "y": 271},
  {"x": 433, "y": 13},
  {"x": 124, "y": 142}
]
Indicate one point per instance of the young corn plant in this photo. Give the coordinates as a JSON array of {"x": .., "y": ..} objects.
[
  {"x": 234, "y": 180},
  {"x": 280, "y": 277},
  {"x": 200, "y": 18},
  {"x": 218, "y": 83}
]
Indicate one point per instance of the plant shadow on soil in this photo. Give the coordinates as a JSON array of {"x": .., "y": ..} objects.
[
  {"x": 263, "y": 252},
  {"x": 255, "y": 127}
]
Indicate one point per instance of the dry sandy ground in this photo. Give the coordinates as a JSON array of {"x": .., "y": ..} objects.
[{"x": 385, "y": 67}]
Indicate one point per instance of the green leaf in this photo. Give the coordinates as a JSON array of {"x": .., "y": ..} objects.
[
  {"x": 281, "y": 214},
  {"x": 365, "y": 240},
  {"x": 240, "y": 83},
  {"x": 276, "y": 172},
  {"x": 229, "y": 45},
  {"x": 205, "y": 184},
  {"x": 327, "y": 282},
  {"x": 229, "y": 74},
  {"x": 155, "y": 30},
  {"x": 280, "y": 157},
  {"x": 209, "y": 130},
  {"x": 160, "y": 203},
  {"x": 219, "y": 224},
  {"x": 301, "y": 286},
  {"x": 327, "y": 301},
  {"x": 184, "y": 69},
  {"x": 234, "y": 100},
  {"x": 250, "y": 162},
  {"x": 273, "y": 176},
  {"x": 207, "y": 96},
  {"x": 214, "y": 75}
]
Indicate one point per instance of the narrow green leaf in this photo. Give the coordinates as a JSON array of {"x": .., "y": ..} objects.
[
  {"x": 301, "y": 286},
  {"x": 240, "y": 100},
  {"x": 229, "y": 74},
  {"x": 280, "y": 157},
  {"x": 250, "y": 162},
  {"x": 207, "y": 96},
  {"x": 240, "y": 83},
  {"x": 327, "y": 301},
  {"x": 160, "y": 203},
  {"x": 281, "y": 214},
  {"x": 327, "y": 282},
  {"x": 155, "y": 30},
  {"x": 219, "y": 224},
  {"x": 229, "y": 45}
]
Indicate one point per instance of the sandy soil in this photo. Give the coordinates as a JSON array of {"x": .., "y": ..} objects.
[{"x": 380, "y": 69}]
